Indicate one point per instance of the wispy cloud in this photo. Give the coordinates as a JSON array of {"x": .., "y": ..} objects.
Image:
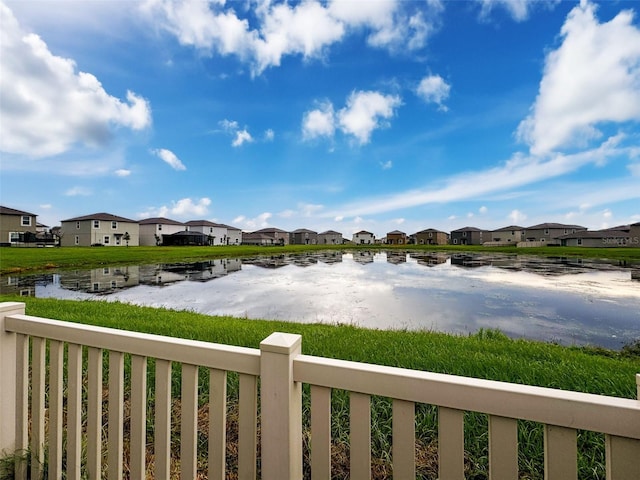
[
  {"x": 169, "y": 158},
  {"x": 185, "y": 208},
  {"x": 433, "y": 89},
  {"x": 78, "y": 192},
  {"x": 122, "y": 172}
]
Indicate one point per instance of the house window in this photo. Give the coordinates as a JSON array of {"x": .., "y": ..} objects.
[
  {"x": 78, "y": 225},
  {"x": 113, "y": 284},
  {"x": 114, "y": 225},
  {"x": 96, "y": 287},
  {"x": 77, "y": 240},
  {"x": 455, "y": 241},
  {"x": 26, "y": 221},
  {"x": 14, "y": 237},
  {"x": 430, "y": 234},
  {"x": 579, "y": 241},
  {"x": 546, "y": 231},
  {"x": 464, "y": 234},
  {"x": 210, "y": 229},
  {"x": 96, "y": 224},
  {"x": 105, "y": 271},
  {"x": 159, "y": 228},
  {"x": 106, "y": 240}
]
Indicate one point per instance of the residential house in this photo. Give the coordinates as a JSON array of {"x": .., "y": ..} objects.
[
  {"x": 507, "y": 235},
  {"x": 470, "y": 236},
  {"x": 16, "y": 226},
  {"x": 234, "y": 235},
  {"x": 634, "y": 233},
  {"x": 266, "y": 236},
  {"x": 187, "y": 238},
  {"x": 364, "y": 238},
  {"x": 152, "y": 230},
  {"x": 548, "y": 233},
  {"x": 216, "y": 232},
  {"x": 302, "y": 236},
  {"x": 396, "y": 237},
  {"x": 99, "y": 229},
  {"x": 330, "y": 237},
  {"x": 431, "y": 236},
  {"x": 620, "y": 236}
]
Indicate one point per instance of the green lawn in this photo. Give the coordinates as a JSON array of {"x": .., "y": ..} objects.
[{"x": 14, "y": 259}]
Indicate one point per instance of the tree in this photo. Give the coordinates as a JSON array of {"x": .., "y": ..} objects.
[{"x": 126, "y": 238}]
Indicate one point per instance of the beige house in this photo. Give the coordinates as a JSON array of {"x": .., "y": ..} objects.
[
  {"x": 303, "y": 236},
  {"x": 152, "y": 229},
  {"x": 266, "y": 236},
  {"x": 622, "y": 236},
  {"x": 431, "y": 236},
  {"x": 16, "y": 226},
  {"x": 99, "y": 229},
  {"x": 364, "y": 238},
  {"x": 396, "y": 238},
  {"x": 234, "y": 235},
  {"x": 507, "y": 235}
]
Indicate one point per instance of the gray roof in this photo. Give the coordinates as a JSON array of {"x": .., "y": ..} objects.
[
  {"x": 330, "y": 232},
  {"x": 159, "y": 220},
  {"x": 203, "y": 222},
  {"x": 429, "y": 230},
  {"x": 396, "y": 232},
  {"x": 554, "y": 225},
  {"x": 270, "y": 230},
  {"x": 469, "y": 229},
  {"x": 101, "y": 216},
  {"x": 13, "y": 211},
  {"x": 510, "y": 227},
  {"x": 303, "y": 230}
]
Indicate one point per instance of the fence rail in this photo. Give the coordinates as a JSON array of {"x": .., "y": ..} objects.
[{"x": 36, "y": 392}]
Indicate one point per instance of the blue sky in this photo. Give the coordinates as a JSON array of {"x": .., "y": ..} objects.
[{"x": 345, "y": 115}]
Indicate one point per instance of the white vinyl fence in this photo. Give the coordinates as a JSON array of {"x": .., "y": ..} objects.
[{"x": 30, "y": 347}]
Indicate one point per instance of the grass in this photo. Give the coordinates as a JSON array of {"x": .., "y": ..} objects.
[
  {"x": 15, "y": 260},
  {"x": 488, "y": 354}
]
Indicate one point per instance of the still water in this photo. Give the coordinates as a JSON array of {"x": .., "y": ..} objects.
[{"x": 563, "y": 300}]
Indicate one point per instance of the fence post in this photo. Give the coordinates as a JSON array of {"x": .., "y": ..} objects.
[
  {"x": 281, "y": 408},
  {"x": 8, "y": 379}
]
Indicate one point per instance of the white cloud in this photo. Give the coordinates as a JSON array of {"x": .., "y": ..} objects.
[
  {"x": 122, "y": 172},
  {"x": 399, "y": 221},
  {"x": 242, "y": 136},
  {"x": 319, "y": 122},
  {"x": 269, "y": 135},
  {"x": 169, "y": 157},
  {"x": 48, "y": 106},
  {"x": 183, "y": 208},
  {"x": 279, "y": 29},
  {"x": 78, "y": 192},
  {"x": 433, "y": 89},
  {"x": 518, "y": 9},
  {"x": 518, "y": 171},
  {"x": 366, "y": 111},
  {"x": 593, "y": 77},
  {"x": 634, "y": 168},
  {"x": 516, "y": 216},
  {"x": 386, "y": 165},
  {"x": 483, "y": 210},
  {"x": 256, "y": 223},
  {"x": 46, "y": 206},
  {"x": 229, "y": 125}
]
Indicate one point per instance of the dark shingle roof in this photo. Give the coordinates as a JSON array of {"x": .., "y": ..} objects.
[
  {"x": 159, "y": 220},
  {"x": 13, "y": 211},
  {"x": 101, "y": 216}
]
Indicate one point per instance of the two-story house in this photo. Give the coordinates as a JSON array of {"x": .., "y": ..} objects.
[
  {"x": 431, "y": 236},
  {"x": 330, "y": 237},
  {"x": 99, "y": 229},
  {"x": 396, "y": 237},
  {"x": 507, "y": 235},
  {"x": 549, "y": 233},
  {"x": 17, "y": 226},
  {"x": 266, "y": 236},
  {"x": 303, "y": 236},
  {"x": 364, "y": 238},
  {"x": 470, "y": 236},
  {"x": 152, "y": 229}
]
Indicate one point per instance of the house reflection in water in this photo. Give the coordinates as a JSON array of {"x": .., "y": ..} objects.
[
  {"x": 429, "y": 259},
  {"x": 24, "y": 286},
  {"x": 396, "y": 257},
  {"x": 100, "y": 280},
  {"x": 363, "y": 257}
]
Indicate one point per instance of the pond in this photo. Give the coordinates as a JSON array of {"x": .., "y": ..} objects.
[{"x": 568, "y": 301}]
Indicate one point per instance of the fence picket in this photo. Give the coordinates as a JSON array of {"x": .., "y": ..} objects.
[
  {"x": 450, "y": 443},
  {"x": 37, "y": 406},
  {"x": 247, "y": 427},
  {"x": 217, "y": 424},
  {"x": 320, "y": 433},
  {"x": 116, "y": 416},
  {"x": 503, "y": 448},
  {"x": 360, "y": 435},
  {"x": 94, "y": 414},
  {"x": 74, "y": 411},
  {"x": 560, "y": 453},
  {"x": 22, "y": 402},
  {"x": 622, "y": 458},
  {"x": 189, "y": 423},
  {"x": 162, "y": 420},
  {"x": 404, "y": 440},
  {"x": 56, "y": 358},
  {"x": 138, "y": 415}
]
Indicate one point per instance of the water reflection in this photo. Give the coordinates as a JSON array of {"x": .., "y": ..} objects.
[{"x": 571, "y": 301}]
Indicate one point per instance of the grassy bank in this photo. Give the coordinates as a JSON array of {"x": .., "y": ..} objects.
[
  {"x": 13, "y": 260},
  {"x": 488, "y": 355}
]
